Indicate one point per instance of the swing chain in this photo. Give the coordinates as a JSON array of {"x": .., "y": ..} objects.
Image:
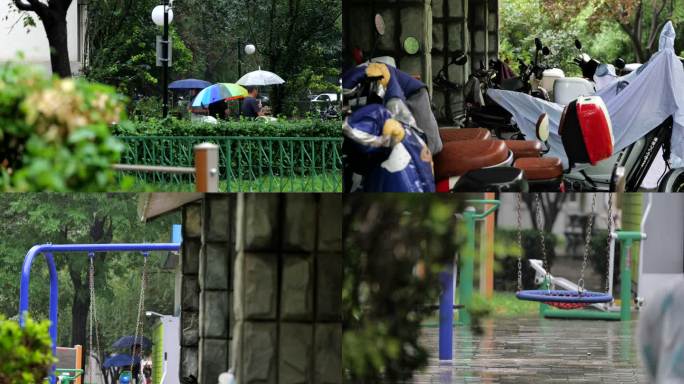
[
  {"x": 587, "y": 243},
  {"x": 608, "y": 240},
  {"x": 520, "y": 244},
  {"x": 92, "y": 318},
  {"x": 139, "y": 325},
  {"x": 540, "y": 226}
]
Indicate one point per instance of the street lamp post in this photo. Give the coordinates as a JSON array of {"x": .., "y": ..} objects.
[
  {"x": 249, "y": 49},
  {"x": 162, "y": 16}
]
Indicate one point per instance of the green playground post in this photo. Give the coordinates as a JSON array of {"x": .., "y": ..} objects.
[
  {"x": 465, "y": 283},
  {"x": 627, "y": 239}
]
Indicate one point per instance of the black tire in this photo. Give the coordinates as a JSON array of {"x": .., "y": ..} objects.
[{"x": 673, "y": 181}]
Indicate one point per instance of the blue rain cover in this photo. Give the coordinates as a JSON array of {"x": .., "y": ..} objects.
[{"x": 404, "y": 167}]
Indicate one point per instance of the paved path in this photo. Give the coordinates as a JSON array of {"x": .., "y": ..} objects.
[{"x": 538, "y": 351}]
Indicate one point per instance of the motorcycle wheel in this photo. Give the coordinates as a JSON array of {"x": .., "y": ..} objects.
[{"x": 672, "y": 182}]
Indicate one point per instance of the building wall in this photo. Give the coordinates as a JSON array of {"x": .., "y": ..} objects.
[
  {"x": 261, "y": 283},
  {"x": 34, "y": 44},
  {"x": 443, "y": 27}
]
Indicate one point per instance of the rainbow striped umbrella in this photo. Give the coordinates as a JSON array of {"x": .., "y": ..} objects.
[{"x": 218, "y": 92}]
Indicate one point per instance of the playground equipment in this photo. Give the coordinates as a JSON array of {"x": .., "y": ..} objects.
[
  {"x": 572, "y": 298},
  {"x": 47, "y": 250},
  {"x": 562, "y": 299},
  {"x": 448, "y": 283},
  {"x": 165, "y": 349},
  {"x": 68, "y": 367}
]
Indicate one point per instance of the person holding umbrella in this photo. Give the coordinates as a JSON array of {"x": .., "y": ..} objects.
[{"x": 251, "y": 106}]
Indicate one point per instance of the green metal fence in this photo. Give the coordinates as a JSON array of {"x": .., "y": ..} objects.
[{"x": 247, "y": 164}]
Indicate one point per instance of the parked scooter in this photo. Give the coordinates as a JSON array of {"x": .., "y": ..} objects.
[{"x": 587, "y": 138}]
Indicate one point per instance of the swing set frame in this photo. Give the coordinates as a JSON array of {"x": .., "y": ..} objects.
[{"x": 47, "y": 250}]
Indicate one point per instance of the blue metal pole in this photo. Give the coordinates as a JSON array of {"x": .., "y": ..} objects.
[
  {"x": 48, "y": 250},
  {"x": 446, "y": 313}
]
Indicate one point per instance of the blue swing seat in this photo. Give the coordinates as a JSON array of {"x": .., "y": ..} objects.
[{"x": 564, "y": 299}]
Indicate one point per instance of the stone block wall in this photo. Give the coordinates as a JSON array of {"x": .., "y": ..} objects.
[
  {"x": 443, "y": 27},
  {"x": 288, "y": 279},
  {"x": 206, "y": 287},
  {"x": 260, "y": 288},
  {"x": 403, "y": 19}
]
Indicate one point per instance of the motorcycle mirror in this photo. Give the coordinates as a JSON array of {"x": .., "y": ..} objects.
[
  {"x": 459, "y": 58},
  {"x": 546, "y": 51},
  {"x": 380, "y": 24},
  {"x": 543, "y": 127},
  {"x": 538, "y": 44},
  {"x": 620, "y": 63},
  {"x": 578, "y": 44}
]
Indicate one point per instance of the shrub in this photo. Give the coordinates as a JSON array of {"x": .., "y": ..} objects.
[
  {"x": 54, "y": 133},
  {"x": 26, "y": 353},
  {"x": 175, "y": 127}
]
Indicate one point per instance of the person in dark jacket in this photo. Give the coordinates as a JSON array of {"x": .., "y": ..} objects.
[{"x": 251, "y": 106}]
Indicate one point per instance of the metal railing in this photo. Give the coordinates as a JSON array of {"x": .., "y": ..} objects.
[{"x": 246, "y": 164}]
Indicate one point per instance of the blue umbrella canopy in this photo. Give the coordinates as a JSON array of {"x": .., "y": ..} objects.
[
  {"x": 189, "y": 84},
  {"x": 121, "y": 360},
  {"x": 218, "y": 92},
  {"x": 128, "y": 341}
]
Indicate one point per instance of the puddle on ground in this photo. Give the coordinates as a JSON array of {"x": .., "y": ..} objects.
[{"x": 537, "y": 351}]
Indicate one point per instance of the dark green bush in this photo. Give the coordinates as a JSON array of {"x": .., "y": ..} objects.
[
  {"x": 175, "y": 127},
  {"x": 506, "y": 275},
  {"x": 26, "y": 354},
  {"x": 54, "y": 133}
]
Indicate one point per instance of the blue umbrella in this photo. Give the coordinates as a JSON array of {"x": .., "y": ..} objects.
[
  {"x": 189, "y": 84},
  {"x": 218, "y": 92},
  {"x": 128, "y": 342},
  {"x": 122, "y": 360}
]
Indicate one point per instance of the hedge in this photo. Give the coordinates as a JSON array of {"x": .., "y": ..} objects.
[{"x": 244, "y": 128}]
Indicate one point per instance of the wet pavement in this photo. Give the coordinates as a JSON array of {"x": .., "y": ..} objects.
[{"x": 538, "y": 351}]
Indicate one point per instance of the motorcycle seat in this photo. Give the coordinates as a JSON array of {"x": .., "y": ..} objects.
[
  {"x": 459, "y": 157},
  {"x": 463, "y": 134},
  {"x": 524, "y": 148},
  {"x": 540, "y": 168}
]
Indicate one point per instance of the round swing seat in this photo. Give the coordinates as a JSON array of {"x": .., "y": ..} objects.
[{"x": 564, "y": 299}]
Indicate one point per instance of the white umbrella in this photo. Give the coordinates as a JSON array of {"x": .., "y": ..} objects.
[{"x": 260, "y": 78}]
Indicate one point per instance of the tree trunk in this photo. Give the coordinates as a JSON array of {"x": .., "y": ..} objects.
[
  {"x": 56, "y": 29},
  {"x": 79, "y": 313}
]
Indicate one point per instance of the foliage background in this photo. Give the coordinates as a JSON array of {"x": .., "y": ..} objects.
[
  {"x": 595, "y": 22},
  {"x": 299, "y": 40}
]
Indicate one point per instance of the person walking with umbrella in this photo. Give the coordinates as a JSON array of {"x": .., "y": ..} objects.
[{"x": 251, "y": 106}]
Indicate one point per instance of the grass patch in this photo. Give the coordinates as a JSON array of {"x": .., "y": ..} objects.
[
  {"x": 504, "y": 305},
  {"x": 321, "y": 183}
]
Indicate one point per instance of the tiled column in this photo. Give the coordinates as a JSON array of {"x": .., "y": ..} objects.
[
  {"x": 215, "y": 286},
  {"x": 189, "y": 269},
  {"x": 288, "y": 273}
]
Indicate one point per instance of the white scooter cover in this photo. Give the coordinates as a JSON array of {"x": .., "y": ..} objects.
[{"x": 653, "y": 93}]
